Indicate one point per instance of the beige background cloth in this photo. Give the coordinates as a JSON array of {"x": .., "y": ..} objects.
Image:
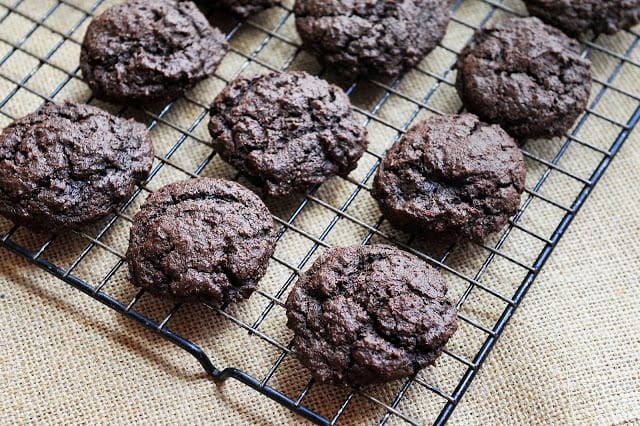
[{"x": 569, "y": 356}]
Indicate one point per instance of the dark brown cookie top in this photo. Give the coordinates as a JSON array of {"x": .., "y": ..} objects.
[
  {"x": 204, "y": 239},
  {"x": 371, "y": 37},
  {"x": 578, "y": 16},
  {"x": 68, "y": 165},
  {"x": 147, "y": 50},
  {"x": 369, "y": 314},
  {"x": 244, "y": 8},
  {"x": 526, "y": 76},
  {"x": 288, "y": 130},
  {"x": 451, "y": 175}
]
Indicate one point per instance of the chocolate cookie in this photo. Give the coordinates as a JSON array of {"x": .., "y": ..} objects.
[
  {"x": 148, "y": 50},
  {"x": 369, "y": 314},
  {"x": 69, "y": 165},
  {"x": 526, "y": 76},
  {"x": 371, "y": 37},
  {"x": 243, "y": 8},
  {"x": 451, "y": 175},
  {"x": 577, "y": 16},
  {"x": 288, "y": 130},
  {"x": 203, "y": 240}
]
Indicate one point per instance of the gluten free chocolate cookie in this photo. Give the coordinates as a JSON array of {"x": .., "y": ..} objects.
[
  {"x": 526, "y": 76},
  {"x": 371, "y": 37},
  {"x": 451, "y": 175},
  {"x": 369, "y": 314},
  {"x": 289, "y": 131},
  {"x": 149, "y": 50},
  {"x": 577, "y": 16},
  {"x": 204, "y": 239},
  {"x": 69, "y": 165}
]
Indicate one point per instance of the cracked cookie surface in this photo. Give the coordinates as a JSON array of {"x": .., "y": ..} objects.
[
  {"x": 577, "y": 16},
  {"x": 451, "y": 175},
  {"x": 365, "y": 37},
  {"x": 288, "y": 131},
  {"x": 526, "y": 76},
  {"x": 204, "y": 239},
  {"x": 68, "y": 165},
  {"x": 369, "y": 314},
  {"x": 149, "y": 50}
]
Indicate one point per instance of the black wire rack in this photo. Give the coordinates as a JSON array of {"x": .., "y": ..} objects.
[{"x": 39, "y": 46}]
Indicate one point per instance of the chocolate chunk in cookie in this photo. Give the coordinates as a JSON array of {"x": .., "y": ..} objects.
[
  {"x": 69, "y": 165},
  {"x": 204, "y": 239},
  {"x": 288, "y": 130},
  {"x": 242, "y": 8},
  {"x": 369, "y": 314},
  {"x": 149, "y": 50},
  {"x": 526, "y": 76},
  {"x": 578, "y": 16},
  {"x": 452, "y": 176},
  {"x": 371, "y": 37}
]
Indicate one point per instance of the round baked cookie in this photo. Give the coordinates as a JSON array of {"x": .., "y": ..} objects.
[
  {"x": 243, "y": 8},
  {"x": 363, "y": 37},
  {"x": 451, "y": 175},
  {"x": 288, "y": 130},
  {"x": 526, "y": 76},
  {"x": 201, "y": 240},
  {"x": 149, "y": 50},
  {"x": 66, "y": 166},
  {"x": 369, "y": 314},
  {"x": 578, "y": 16}
]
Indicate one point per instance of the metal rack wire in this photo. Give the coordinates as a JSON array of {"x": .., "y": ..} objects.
[{"x": 488, "y": 280}]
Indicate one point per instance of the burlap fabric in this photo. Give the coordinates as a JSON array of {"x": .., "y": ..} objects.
[{"x": 569, "y": 356}]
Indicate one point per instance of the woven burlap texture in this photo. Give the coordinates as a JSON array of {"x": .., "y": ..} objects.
[{"x": 569, "y": 356}]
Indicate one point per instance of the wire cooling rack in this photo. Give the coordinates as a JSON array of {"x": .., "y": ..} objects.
[{"x": 39, "y": 47}]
